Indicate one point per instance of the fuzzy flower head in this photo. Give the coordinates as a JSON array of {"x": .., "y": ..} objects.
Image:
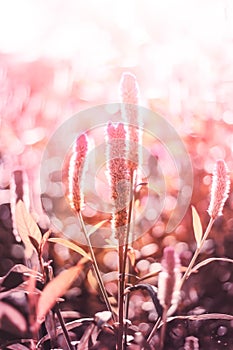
[
  {"x": 77, "y": 166},
  {"x": 129, "y": 92},
  {"x": 220, "y": 189},
  {"x": 129, "y": 89},
  {"x": 169, "y": 279},
  {"x": 118, "y": 176}
]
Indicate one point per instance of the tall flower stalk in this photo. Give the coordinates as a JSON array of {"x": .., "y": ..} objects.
[
  {"x": 129, "y": 93},
  {"x": 219, "y": 194},
  {"x": 77, "y": 167},
  {"x": 168, "y": 280},
  {"x": 118, "y": 176},
  {"x": 168, "y": 286},
  {"x": 220, "y": 189}
]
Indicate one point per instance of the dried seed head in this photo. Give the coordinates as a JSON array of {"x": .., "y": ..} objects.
[
  {"x": 220, "y": 189},
  {"x": 168, "y": 280},
  {"x": 118, "y": 177},
  {"x": 77, "y": 167},
  {"x": 129, "y": 92}
]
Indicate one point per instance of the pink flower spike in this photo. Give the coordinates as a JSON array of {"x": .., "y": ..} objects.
[
  {"x": 168, "y": 280},
  {"x": 129, "y": 90},
  {"x": 116, "y": 132},
  {"x": 220, "y": 189},
  {"x": 77, "y": 166},
  {"x": 118, "y": 177}
]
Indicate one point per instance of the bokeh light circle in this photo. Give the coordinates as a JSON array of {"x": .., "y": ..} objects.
[{"x": 166, "y": 168}]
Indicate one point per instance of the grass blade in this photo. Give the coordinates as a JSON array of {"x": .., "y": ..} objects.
[
  {"x": 66, "y": 243},
  {"x": 27, "y": 227},
  {"x": 55, "y": 289},
  {"x": 197, "y": 226}
]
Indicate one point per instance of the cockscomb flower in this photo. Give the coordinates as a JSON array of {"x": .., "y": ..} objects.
[
  {"x": 76, "y": 172},
  {"x": 168, "y": 280},
  {"x": 129, "y": 92},
  {"x": 118, "y": 177},
  {"x": 220, "y": 189}
]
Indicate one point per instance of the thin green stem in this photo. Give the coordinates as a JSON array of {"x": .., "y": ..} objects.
[
  {"x": 121, "y": 287},
  {"x": 48, "y": 275},
  {"x": 130, "y": 211},
  {"x": 63, "y": 326},
  {"x": 154, "y": 329},
  {"x": 197, "y": 252},
  {"x": 163, "y": 330},
  {"x": 95, "y": 265},
  {"x": 126, "y": 316},
  {"x": 131, "y": 201}
]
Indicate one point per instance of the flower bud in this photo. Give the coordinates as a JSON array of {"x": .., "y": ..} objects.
[
  {"x": 169, "y": 279},
  {"x": 77, "y": 167},
  {"x": 220, "y": 189}
]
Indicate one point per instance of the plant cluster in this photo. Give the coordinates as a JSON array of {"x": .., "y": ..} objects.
[{"x": 51, "y": 327}]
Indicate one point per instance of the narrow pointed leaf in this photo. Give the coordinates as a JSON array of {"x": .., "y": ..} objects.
[
  {"x": 197, "y": 226},
  {"x": 70, "y": 245},
  {"x": 132, "y": 256},
  {"x": 21, "y": 288},
  {"x": 35, "y": 244},
  {"x": 69, "y": 326},
  {"x": 17, "y": 346},
  {"x": 203, "y": 317},
  {"x": 26, "y": 227},
  {"x": 55, "y": 289},
  {"x": 44, "y": 240},
  {"x": 150, "y": 274},
  {"x": 208, "y": 261},
  {"x": 15, "y": 276},
  {"x": 96, "y": 227}
]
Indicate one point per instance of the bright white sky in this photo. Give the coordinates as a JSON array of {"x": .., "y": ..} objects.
[
  {"x": 61, "y": 28},
  {"x": 162, "y": 41}
]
